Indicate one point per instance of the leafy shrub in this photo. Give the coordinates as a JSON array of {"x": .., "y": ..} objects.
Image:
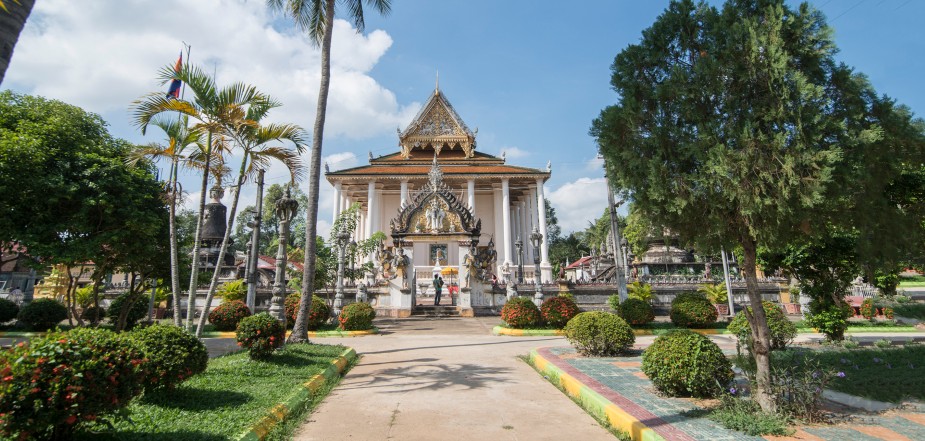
[
  {"x": 84, "y": 296},
  {"x": 227, "y": 315},
  {"x": 8, "y": 310},
  {"x": 320, "y": 314},
  {"x": 783, "y": 331},
  {"x": 832, "y": 321},
  {"x": 635, "y": 311},
  {"x": 234, "y": 290},
  {"x": 557, "y": 311},
  {"x": 868, "y": 310},
  {"x": 798, "y": 382},
  {"x": 260, "y": 334},
  {"x": 567, "y": 295},
  {"x": 902, "y": 299},
  {"x": 883, "y": 343},
  {"x": 716, "y": 294},
  {"x": 641, "y": 291},
  {"x": 692, "y": 310},
  {"x": 520, "y": 312},
  {"x": 911, "y": 310},
  {"x": 90, "y": 313},
  {"x": 42, "y": 314},
  {"x": 138, "y": 308},
  {"x": 598, "y": 333},
  {"x": 357, "y": 317},
  {"x": 55, "y": 383},
  {"x": 683, "y": 362},
  {"x": 888, "y": 312},
  {"x": 173, "y": 355},
  {"x": 745, "y": 415}
]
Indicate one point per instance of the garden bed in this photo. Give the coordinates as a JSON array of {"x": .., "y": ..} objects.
[{"x": 225, "y": 401}]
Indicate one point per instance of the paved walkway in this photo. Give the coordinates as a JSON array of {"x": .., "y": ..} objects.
[{"x": 446, "y": 379}]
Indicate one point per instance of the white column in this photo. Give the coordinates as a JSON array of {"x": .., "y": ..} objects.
[
  {"x": 370, "y": 206},
  {"x": 506, "y": 219},
  {"x": 337, "y": 200},
  {"x": 541, "y": 211},
  {"x": 471, "y": 188},
  {"x": 531, "y": 217},
  {"x": 404, "y": 192}
]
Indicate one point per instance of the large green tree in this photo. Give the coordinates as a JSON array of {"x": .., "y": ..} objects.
[
  {"x": 731, "y": 128},
  {"x": 316, "y": 17}
]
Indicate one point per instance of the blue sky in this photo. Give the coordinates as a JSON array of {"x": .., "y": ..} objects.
[{"x": 529, "y": 75}]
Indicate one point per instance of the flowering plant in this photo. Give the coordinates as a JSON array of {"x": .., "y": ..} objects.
[
  {"x": 557, "y": 311},
  {"x": 227, "y": 315},
  {"x": 520, "y": 312},
  {"x": 261, "y": 335},
  {"x": 356, "y": 317},
  {"x": 321, "y": 312}
]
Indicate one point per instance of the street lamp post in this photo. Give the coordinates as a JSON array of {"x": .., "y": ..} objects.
[
  {"x": 343, "y": 241},
  {"x": 286, "y": 208},
  {"x": 537, "y": 239},
  {"x": 519, "y": 244},
  {"x": 353, "y": 261}
]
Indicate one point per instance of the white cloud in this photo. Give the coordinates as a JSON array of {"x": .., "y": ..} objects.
[
  {"x": 594, "y": 165},
  {"x": 579, "y": 202},
  {"x": 513, "y": 152}
]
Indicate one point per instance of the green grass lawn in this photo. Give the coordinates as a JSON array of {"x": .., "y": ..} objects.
[
  {"x": 912, "y": 281},
  {"x": 890, "y": 374},
  {"x": 222, "y": 402}
]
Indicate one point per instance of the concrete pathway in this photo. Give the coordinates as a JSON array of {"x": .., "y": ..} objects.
[{"x": 446, "y": 379}]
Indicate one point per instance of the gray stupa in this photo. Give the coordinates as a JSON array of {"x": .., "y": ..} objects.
[{"x": 214, "y": 225}]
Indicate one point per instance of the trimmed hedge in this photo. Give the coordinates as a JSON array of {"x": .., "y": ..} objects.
[
  {"x": 138, "y": 311},
  {"x": 357, "y": 317},
  {"x": 8, "y": 310},
  {"x": 227, "y": 315},
  {"x": 320, "y": 314},
  {"x": 692, "y": 310},
  {"x": 684, "y": 363},
  {"x": 598, "y": 333},
  {"x": 783, "y": 331},
  {"x": 635, "y": 311},
  {"x": 260, "y": 334},
  {"x": 173, "y": 355},
  {"x": 520, "y": 312},
  {"x": 42, "y": 314},
  {"x": 56, "y": 383},
  {"x": 557, "y": 311}
]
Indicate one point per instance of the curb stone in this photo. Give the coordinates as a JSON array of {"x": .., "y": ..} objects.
[
  {"x": 311, "y": 334},
  {"x": 302, "y": 395}
]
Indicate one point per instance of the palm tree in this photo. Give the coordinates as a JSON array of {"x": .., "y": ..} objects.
[
  {"x": 253, "y": 139},
  {"x": 317, "y": 18},
  {"x": 215, "y": 110},
  {"x": 641, "y": 291},
  {"x": 179, "y": 138},
  {"x": 13, "y": 17}
]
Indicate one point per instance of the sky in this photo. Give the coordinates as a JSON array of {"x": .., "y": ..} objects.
[{"x": 529, "y": 76}]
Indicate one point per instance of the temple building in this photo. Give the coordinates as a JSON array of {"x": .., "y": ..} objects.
[{"x": 440, "y": 200}]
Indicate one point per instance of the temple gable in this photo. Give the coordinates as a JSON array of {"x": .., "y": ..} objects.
[{"x": 437, "y": 126}]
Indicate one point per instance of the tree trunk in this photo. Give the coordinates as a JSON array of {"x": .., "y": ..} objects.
[
  {"x": 213, "y": 286},
  {"x": 194, "y": 270},
  {"x": 300, "y": 328},
  {"x": 758, "y": 322},
  {"x": 11, "y": 25},
  {"x": 174, "y": 260}
]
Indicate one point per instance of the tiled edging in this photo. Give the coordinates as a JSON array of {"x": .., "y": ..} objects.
[
  {"x": 299, "y": 398},
  {"x": 603, "y": 402},
  {"x": 316, "y": 334},
  {"x": 501, "y": 330}
]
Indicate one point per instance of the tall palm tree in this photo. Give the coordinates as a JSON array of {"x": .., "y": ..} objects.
[
  {"x": 317, "y": 18},
  {"x": 215, "y": 109},
  {"x": 13, "y": 15},
  {"x": 180, "y": 138},
  {"x": 253, "y": 138}
]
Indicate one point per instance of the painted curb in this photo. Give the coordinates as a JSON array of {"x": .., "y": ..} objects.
[
  {"x": 315, "y": 334},
  {"x": 857, "y": 402},
  {"x": 500, "y": 330},
  {"x": 592, "y": 402},
  {"x": 302, "y": 395}
]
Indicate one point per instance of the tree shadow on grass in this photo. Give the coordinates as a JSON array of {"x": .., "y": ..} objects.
[
  {"x": 195, "y": 399},
  {"x": 179, "y": 435}
]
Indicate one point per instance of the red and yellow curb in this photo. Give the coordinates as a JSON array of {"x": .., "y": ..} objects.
[
  {"x": 501, "y": 330},
  {"x": 299, "y": 398},
  {"x": 311, "y": 334},
  {"x": 593, "y": 402}
]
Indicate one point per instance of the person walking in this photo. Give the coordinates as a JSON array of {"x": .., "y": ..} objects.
[{"x": 438, "y": 288}]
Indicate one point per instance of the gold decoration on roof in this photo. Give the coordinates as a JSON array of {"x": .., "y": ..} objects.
[{"x": 437, "y": 126}]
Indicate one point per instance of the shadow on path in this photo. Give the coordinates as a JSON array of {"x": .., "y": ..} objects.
[{"x": 434, "y": 376}]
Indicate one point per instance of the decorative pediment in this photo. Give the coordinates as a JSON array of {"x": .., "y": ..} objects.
[
  {"x": 434, "y": 210},
  {"x": 437, "y": 126}
]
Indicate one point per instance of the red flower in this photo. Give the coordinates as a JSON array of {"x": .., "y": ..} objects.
[{"x": 71, "y": 419}]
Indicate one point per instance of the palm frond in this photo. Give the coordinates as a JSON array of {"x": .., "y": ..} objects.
[
  {"x": 147, "y": 108},
  {"x": 282, "y": 132},
  {"x": 261, "y": 159}
]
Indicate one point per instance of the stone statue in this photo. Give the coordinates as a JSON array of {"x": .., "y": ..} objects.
[
  {"x": 471, "y": 264},
  {"x": 362, "y": 294},
  {"x": 511, "y": 291},
  {"x": 400, "y": 263},
  {"x": 435, "y": 216},
  {"x": 562, "y": 271},
  {"x": 385, "y": 257},
  {"x": 707, "y": 273}
]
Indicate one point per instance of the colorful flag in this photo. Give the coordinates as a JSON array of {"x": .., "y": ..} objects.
[{"x": 174, "y": 90}]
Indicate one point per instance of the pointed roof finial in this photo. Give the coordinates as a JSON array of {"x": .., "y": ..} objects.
[{"x": 437, "y": 85}]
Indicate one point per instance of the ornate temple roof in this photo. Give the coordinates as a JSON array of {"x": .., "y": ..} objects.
[{"x": 437, "y": 126}]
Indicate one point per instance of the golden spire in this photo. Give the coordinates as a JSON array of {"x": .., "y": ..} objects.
[{"x": 437, "y": 86}]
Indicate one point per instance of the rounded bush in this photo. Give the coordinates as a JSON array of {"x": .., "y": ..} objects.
[
  {"x": 42, "y": 314},
  {"x": 684, "y": 363},
  {"x": 557, "y": 311},
  {"x": 138, "y": 308},
  {"x": 783, "y": 331},
  {"x": 226, "y": 316},
  {"x": 520, "y": 312},
  {"x": 320, "y": 314},
  {"x": 831, "y": 321},
  {"x": 635, "y": 311},
  {"x": 692, "y": 310},
  {"x": 598, "y": 333},
  {"x": 260, "y": 334},
  {"x": 89, "y": 313},
  {"x": 8, "y": 310},
  {"x": 55, "y": 383},
  {"x": 357, "y": 317},
  {"x": 173, "y": 355},
  {"x": 233, "y": 290},
  {"x": 868, "y": 310}
]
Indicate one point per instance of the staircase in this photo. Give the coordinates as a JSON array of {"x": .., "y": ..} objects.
[{"x": 435, "y": 311}]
